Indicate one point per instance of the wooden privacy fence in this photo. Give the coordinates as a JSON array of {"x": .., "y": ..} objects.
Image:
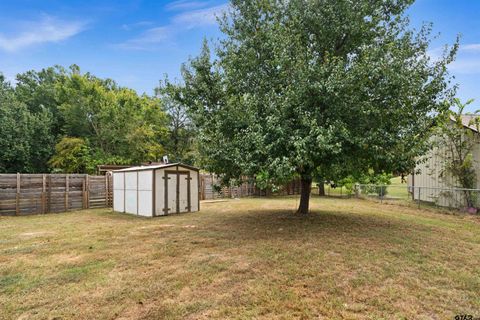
[
  {"x": 208, "y": 191},
  {"x": 24, "y": 194}
]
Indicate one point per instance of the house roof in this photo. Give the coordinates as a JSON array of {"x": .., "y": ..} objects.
[
  {"x": 158, "y": 166},
  {"x": 467, "y": 122}
]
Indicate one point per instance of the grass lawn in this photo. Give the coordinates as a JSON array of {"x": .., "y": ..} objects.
[
  {"x": 397, "y": 189},
  {"x": 242, "y": 259}
]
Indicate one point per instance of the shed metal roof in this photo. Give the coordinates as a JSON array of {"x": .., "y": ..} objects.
[{"x": 159, "y": 166}]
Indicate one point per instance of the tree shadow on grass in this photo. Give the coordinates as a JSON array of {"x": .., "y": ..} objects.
[{"x": 268, "y": 224}]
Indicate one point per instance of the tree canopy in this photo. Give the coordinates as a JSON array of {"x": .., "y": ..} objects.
[
  {"x": 68, "y": 121},
  {"x": 312, "y": 88},
  {"x": 25, "y": 138}
]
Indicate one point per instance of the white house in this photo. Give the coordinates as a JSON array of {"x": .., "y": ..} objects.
[{"x": 156, "y": 190}]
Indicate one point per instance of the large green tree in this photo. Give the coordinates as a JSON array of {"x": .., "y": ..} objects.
[
  {"x": 38, "y": 91},
  {"x": 116, "y": 121},
  {"x": 301, "y": 88},
  {"x": 25, "y": 137},
  {"x": 47, "y": 113}
]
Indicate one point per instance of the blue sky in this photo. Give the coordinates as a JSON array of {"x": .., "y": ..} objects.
[{"x": 136, "y": 42}]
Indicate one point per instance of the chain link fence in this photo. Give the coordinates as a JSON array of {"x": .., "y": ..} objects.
[{"x": 467, "y": 200}]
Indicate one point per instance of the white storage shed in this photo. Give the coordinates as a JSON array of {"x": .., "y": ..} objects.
[{"x": 156, "y": 190}]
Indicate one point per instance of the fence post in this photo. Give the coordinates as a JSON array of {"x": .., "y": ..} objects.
[
  {"x": 381, "y": 194},
  {"x": 106, "y": 190},
  {"x": 83, "y": 192},
  {"x": 110, "y": 190},
  {"x": 49, "y": 194},
  {"x": 419, "y": 194},
  {"x": 44, "y": 190},
  {"x": 67, "y": 188},
  {"x": 17, "y": 196},
  {"x": 87, "y": 191}
]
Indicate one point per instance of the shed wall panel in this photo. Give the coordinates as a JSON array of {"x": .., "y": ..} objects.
[
  {"x": 145, "y": 180},
  {"x": 145, "y": 203},
  {"x": 118, "y": 192},
  {"x": 118, "y": 180},
  {"x": 131, "y": 201},
  {"x": 118, "y": 201},
  {"x": 131, "y": 192},
  {"x": 131, "y": 180}
]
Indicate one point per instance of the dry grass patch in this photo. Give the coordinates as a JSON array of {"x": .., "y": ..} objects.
[{"x": 242, "y": 259}]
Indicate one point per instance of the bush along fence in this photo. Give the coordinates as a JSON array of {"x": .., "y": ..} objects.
[
  {"x": 25, "y": 194},
  {"x": 467, "y": 200}
]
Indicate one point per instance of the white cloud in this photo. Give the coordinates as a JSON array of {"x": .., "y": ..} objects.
[
  {"x": 131, "y": 26},
  {"x": 199, "y": 18},
  {"x": 48, "y": 29},
  {"x": 465, "y": 66},
  {"x": 471, "y": 47},
  {"x": 178, "y": 24},
  {"x": 186, "y": 5},
  {"x": 147, "y": 38},
  {"x": 436, "y": 53},
  {"x": 9, "y": 77},
  {"x": 467, "y": 60}
]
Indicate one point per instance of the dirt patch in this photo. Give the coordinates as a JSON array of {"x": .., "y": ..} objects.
[
  {"x": 213, "y": 201},
  {"x": 67, "y": 258},
  {"x": 35, "y": 234}
]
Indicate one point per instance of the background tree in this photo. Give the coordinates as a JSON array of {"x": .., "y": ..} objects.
[
  {"x": 38, "y": 91},
  {"x": 180, "y": 142},
  {"x": 119, "y": 126},
  {"x": 301, "y": 87},
  {"x": 202, "y": 89},
  {"x": 50, "y": 107},
  {"x": 25, "y": 136},
  {"x": 116, "y": 121},
  {"x": 72, "y": 155}
]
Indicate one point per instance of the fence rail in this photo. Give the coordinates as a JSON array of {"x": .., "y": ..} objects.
[{"x": 25, "y": 194}]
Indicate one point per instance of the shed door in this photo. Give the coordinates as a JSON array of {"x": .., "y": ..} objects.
[
  {"x": 183, "y": 192},
  {"x": 177, "y": 187},
  {"x": 171, "y": 201}
]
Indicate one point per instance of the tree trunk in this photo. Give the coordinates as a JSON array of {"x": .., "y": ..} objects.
[
  {"x": 306, "y": 183},
  {"x": 321, "y": 188}
]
